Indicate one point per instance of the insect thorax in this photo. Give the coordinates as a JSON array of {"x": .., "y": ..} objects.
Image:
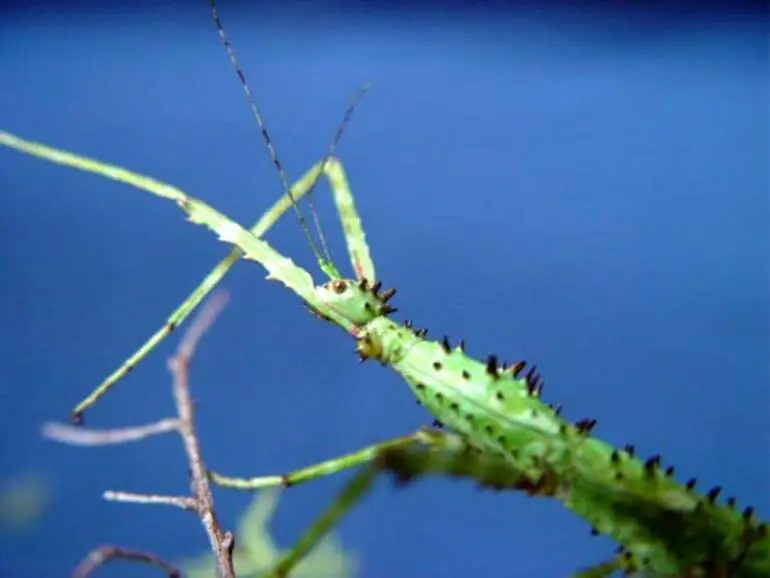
[{"x": 385, "y": 340}]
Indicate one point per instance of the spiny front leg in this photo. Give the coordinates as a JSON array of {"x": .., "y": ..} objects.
[{"x": 332, "y": 170}]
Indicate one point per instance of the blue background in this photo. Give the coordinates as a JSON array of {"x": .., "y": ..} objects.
[{"x": 587, "y": 190}]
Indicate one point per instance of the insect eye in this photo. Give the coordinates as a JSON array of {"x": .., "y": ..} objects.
[{"x": 339, "y": 286}]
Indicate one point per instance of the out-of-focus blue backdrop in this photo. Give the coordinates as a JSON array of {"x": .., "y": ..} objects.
[{"x": 587, "y": 190}]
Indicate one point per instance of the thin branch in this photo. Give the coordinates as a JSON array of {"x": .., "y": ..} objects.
[
  {"x": 79, "y": 436},
  {"x": 183, "y": 502},
  {"x": 103, "y": 554},
  {"x": 201, "y": 501},
  {"x": 221, "y": 542},
  {"x": 200, "y": 324}
]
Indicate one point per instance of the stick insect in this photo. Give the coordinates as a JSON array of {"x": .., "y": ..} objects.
[{"x": 498, "y": 429}]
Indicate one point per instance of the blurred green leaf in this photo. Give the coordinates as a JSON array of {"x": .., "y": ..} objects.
[
  {"x": 23, "y": 500},
  {"x": 255, "y": 551}
]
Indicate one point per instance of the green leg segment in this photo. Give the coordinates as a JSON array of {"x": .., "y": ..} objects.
[
  {"x": 426, "y": 452},
  {"x": 366, "y": 458},
  {"x": 326, "y": 468}
]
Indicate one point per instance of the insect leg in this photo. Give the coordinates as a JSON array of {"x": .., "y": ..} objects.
[
  {"x": 427, "y": 451},
  {"x": 325, "y": 468},
  {"x": 158, "y": 188}
]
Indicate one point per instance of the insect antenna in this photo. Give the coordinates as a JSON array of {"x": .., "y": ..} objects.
[
  {"x": 329, "y": 153},
  {"x": 261, "y": 123},
  {"x": 326, "y": 260}
]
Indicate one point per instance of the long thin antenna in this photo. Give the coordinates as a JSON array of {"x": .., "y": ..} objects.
[
  {"x": 329, "y": 153},
  {"x": 262, "y": 126},
  {"x": 274, "y": 157}
]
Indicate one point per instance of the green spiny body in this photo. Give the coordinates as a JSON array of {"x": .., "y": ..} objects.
[{"x": 663, "y": 526}]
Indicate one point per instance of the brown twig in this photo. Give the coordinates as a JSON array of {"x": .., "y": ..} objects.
[
  {"x": 221, "y": 542},
  {"x": 201, "y": 501},
  {"x": 103, "y": 554}
]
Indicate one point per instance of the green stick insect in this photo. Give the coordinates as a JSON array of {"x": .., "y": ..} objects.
[{"x": 499, "y": 431}]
